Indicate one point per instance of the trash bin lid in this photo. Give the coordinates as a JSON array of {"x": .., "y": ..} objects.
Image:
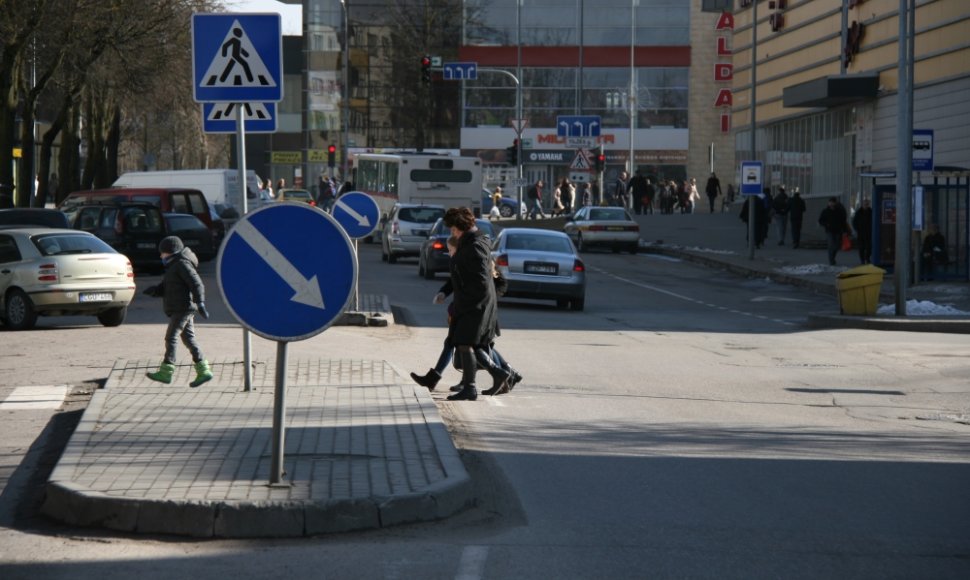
[{"x": 860, "y": 271}]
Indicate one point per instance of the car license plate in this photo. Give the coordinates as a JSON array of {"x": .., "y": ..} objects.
[
  {"x": 541, "y": 268},
  {"x": 95, "y": 297},
  {"x": 145, "y": 245}
]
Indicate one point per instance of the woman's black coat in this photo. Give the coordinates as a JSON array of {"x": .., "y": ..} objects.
[{"x": 476, "y": 311}]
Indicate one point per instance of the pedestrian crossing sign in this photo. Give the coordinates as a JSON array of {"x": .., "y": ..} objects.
[{"x": 237, "y": 58}]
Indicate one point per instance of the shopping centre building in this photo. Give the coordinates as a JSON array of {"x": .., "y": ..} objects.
[
  {"x": 670, "y": 82},
  {"x": 645, "y": 68},
  {"x": 826, "y": 107}
]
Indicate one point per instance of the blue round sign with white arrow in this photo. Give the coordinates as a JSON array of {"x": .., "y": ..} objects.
[
  {"x": 287, "y": 271},
  {"x": 358, "y": 213}
]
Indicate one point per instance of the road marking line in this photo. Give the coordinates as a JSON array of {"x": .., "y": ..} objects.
[
  {"x": 36, "y": 397},
  {"x": 471, "y": 566},
  {"x": 686, "y": 298}
]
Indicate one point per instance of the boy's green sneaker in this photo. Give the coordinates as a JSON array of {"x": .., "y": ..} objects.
[
  {"x": 163, "y": 374},
  {"x": 203, "y": 373}
]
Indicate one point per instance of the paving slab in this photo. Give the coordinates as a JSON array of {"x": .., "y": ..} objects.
[{"x": 363, "y": 449}]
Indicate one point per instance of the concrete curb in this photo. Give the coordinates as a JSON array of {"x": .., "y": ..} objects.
[{"x": 79, "y": 505}]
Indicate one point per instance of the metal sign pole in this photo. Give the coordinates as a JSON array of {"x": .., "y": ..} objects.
[
  {"x": 356, "y": 282},
  {"x": 241, "y": 152},
  {"x": 279, "y": 415}
]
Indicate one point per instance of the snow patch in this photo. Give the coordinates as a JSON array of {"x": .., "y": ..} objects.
[{"x": 922, "y": 308}]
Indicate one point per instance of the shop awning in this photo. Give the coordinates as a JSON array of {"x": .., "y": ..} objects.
[{"x": 832, "y": 91}]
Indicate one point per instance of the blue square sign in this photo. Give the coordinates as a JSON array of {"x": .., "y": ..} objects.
[{"x": 237, "y": 58}]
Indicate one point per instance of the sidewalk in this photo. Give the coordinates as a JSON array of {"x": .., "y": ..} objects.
[
  {"x": 364, "y": 449},
  {"x": 719, "y": 241}
]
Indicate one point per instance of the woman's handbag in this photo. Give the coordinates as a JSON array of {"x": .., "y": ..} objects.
[{"x": 846, "y": 242}]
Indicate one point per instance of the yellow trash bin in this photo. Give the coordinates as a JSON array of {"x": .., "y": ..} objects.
[{"x": 859, "y": 289}]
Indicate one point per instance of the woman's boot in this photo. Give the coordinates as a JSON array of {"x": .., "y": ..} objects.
[
  {"x": 430, "y": 380},
  {"x": 468, "y": 369},
  {"x": 500, "y": 376}
]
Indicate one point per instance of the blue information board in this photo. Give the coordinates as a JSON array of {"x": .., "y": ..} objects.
[
  {"x": 752, "y": 177},
  {"x": 287, "y": 271}
]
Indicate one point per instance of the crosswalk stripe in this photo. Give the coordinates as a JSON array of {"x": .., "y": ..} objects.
[{"x": 34, "y": 397}]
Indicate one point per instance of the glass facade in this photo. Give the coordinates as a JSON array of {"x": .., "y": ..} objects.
[
  {"x": 814, "y": 153},
  {"x": 576, "y": 22}
]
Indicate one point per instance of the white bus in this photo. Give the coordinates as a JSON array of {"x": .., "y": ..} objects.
[{"x": 420, "y": 178}]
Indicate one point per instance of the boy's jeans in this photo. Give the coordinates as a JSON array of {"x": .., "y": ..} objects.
[{"x": 180, "y": 325}]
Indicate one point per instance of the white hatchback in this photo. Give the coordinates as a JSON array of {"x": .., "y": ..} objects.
[{"x": 55, "y": 272}]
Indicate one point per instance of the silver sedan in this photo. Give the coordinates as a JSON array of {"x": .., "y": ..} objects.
[
  {"x": 56, "y": 272},
  {"x": 610, "y": 227},
  {"x": 541, "y": 264}
]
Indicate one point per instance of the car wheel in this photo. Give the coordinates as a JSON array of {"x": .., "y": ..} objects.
[
  {"x": 634, "y": 248},
  {"x": 506, "y": 211},
  {"x": 420, "y": 266},
  {"x": 616, "y": 249},
  {"x": 113, "y": 317},
  {"x": 578, "y": 304},
  {"x": 562, "y": 303},
  {"x": 19, "y": 313},
  {"x": 428, "y": 273}
]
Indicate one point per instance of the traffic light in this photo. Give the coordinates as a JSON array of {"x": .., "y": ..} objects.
[
  {"x": 426, "y": 69},
  {"x": 599, "y": 159},
  {"x": 512, "y": 153},
  {"x": 332, "y": 155}
]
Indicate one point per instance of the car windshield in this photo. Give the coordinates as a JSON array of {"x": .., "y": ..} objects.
[
  {"x": 420, "y": 215},
  {"x": 143, "y": 219},
  {"x": 485, "y": 227},
  {"x": 607, "y": 214},
  {"x": 181, "y": 223},
  {"x": 538, "y": 243},
  {"x": 60, "y": 244}
]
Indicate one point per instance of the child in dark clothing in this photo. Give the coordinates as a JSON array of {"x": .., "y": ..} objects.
[{"x": 183, "y": 294}]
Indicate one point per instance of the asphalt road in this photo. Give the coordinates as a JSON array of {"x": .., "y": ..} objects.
[{"x": 683, "y": 425}]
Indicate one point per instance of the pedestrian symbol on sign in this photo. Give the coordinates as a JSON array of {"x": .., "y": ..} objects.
[{"x": 238, "y": 64}]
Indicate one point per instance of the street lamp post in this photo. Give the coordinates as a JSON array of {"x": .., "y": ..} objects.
[
  {"x": 633, "y": 83},
  {"x": 345, "y": 152}
]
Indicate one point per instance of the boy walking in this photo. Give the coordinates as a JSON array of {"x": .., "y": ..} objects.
[{"x": 183, "y": 294}]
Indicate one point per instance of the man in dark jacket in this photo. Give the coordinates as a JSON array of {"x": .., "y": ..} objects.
[
  {"x": 638, "y": 192},
  {"x": 475, "y": 318},
  {"x": 796, "y": 211},
  {"x": 183, "y": 294},
  {"x": 712, "y": 189},
  {"x": 780, "y": 206},
  {"x": 833, "y": 220},
  {"x": 862, "y": 224}
]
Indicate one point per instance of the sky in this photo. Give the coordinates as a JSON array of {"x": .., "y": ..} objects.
[{"x": 292, "y": 13}]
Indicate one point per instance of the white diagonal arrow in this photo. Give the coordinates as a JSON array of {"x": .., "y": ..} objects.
[
  {"x": 362, "y": 220},
  {"x": 307, "y": 291}
]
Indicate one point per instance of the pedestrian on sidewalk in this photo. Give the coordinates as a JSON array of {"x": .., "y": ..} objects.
[
  {"x": 534, "y": 195},
  {"x": 862, "y": 224},
  {"x": 693, "y": 196},
  {"x": 833, "y": 220},
  {"x": 796, "y": 211},
  {"x": 638, "y": 191},
  {"x": 620, "y": 196},
  {"x": 557, "y": 206},
  {"x": 712, "y": 189},
  {"x": 781, "y": 204},
  {"x": 183, "y": 294}
]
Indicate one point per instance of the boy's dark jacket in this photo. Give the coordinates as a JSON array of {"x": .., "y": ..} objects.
[{"x": 181, "y": 288}]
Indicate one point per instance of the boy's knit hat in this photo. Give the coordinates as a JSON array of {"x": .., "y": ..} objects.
[{"x": 170, "y": 245}]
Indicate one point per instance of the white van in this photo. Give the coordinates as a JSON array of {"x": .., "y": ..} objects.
[{"x": 220, "y": 186}]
